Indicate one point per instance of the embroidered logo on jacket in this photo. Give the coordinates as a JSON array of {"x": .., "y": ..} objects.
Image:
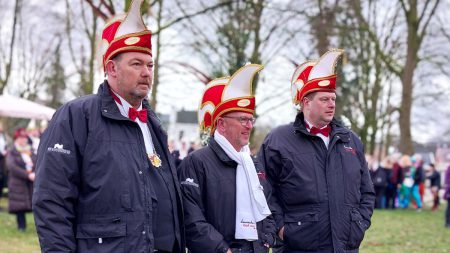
[
  {"x": 59, "y": 148},
  {"x": 189, "y": 181},
  {"x": 261, "y": 175},
  {"x": 350, "y": 149}
]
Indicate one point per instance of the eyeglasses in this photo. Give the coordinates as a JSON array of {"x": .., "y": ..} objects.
[{"x": 243, "y": 120}]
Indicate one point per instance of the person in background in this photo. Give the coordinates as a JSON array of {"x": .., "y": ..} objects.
[
  {"x": 447, "y": 196},
  {"x": 394, "y": 183},
  {"x": 419, "y": 180},
  {"x": 409, "y": 186},
  {"x": 192, "y": 147},
  {"x": 20, "y": 163},
  {"x": 435, "y": 185},
  {"x": 380, "y": 178},
  {"x": 34, "y": 135},
  {"x": 323, "y": 197},
  {"x": 174, "y": 153}
]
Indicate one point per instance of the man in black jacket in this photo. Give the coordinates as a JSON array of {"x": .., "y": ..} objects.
[
  {"x": 223, "y": 190},
  {"x": 323, "y": 197},
  {"x": 105, "y": 181}
]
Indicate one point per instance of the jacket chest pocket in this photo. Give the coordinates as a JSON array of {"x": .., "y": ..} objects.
[
  {"x": 99, "y": 238},
  {"x": 301, "y": 230}
]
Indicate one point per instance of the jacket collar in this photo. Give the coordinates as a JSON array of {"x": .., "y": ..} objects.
[
  {"x": 108, "y": 105},
  {"x": 220, "y": 153},
  {"x": 336, "y": 127},
  {"x": 110, "y": 110}
]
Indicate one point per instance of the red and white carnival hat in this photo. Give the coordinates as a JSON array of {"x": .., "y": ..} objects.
[
  {"x": 313, "y": 76},
  {"x": 227, "y": 94},
  {"x": 126, "y": 33}
]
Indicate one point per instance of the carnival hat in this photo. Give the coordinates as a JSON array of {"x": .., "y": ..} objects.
[
  {"x": 227, "y": 94},
  {"x": 126, "y": 33},
  {"x": 313, "y": 76}
]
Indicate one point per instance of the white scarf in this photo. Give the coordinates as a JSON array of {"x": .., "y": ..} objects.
[{"x": 251, "y": 204}]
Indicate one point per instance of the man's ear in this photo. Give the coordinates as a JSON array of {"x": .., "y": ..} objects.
[
  {"x": 220, "y": 124},
  {"x": 305, "y": 101},
  {"x": 111, "y": 68}
]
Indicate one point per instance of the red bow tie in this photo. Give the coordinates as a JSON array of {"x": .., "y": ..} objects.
[
  {"x": 141, "y": 115},
  {"x": 324, "y": 131}
]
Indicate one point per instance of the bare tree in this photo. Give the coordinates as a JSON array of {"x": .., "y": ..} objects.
[
  {"x": 417, "y": 16},
  {"x": 6, "y": 56}
]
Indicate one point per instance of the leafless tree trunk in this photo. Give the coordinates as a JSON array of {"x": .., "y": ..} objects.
[
  {"x": 7, "y": 57},
  {"x": 156, "y": 78},
  {"x": 417, "y": 22}
]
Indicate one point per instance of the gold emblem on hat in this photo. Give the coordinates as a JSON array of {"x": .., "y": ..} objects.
[
  {"x": 324, "y": 83},
  {"x": 155, "y": 160},
  {"x": 132, "y": 40},
  {"x": 243, "y": 102}
]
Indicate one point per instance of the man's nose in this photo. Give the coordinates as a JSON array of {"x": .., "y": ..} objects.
[{"x": 147, "y": 71}]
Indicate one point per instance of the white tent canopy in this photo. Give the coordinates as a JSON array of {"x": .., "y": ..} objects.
[{"x": 15, "y": 107}]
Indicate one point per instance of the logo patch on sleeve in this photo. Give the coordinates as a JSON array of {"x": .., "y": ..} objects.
[
  {"x": 59, "y": 148},
  {"x": 190, "y": 182}
]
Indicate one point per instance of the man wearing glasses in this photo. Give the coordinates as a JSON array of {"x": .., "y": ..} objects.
[{"x": 223, "y": 190}]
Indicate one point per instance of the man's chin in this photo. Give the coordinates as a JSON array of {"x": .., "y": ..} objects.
[{"x": 141, "y": 94}]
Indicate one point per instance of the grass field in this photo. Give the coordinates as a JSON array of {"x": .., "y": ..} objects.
[{"x": 399, "y": 231}]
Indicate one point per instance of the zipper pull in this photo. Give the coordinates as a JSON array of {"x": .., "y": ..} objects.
[{"x": 100, "y": 240}]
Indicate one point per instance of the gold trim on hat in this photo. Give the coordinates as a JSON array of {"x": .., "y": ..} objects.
[
  {"x": 146, "y": 49},
  {"x": 131, "y": 35}
]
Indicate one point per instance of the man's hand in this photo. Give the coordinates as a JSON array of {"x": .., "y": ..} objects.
[
  {"x": 281, "y": 233},
  {"x": 229, "y": 251}
]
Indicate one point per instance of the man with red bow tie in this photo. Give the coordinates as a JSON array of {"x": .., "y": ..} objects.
[
  {"x": 105, "y": 181},
  {"x": 323, "y": 197}
]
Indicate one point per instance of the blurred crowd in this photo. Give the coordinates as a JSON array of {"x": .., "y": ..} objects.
[{"x": 401, "y": 181}]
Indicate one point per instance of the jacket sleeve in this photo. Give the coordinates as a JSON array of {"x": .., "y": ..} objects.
[
  {"x": 367, "y": 191},
  {"x": 271, "y": 162},
  {"x": 56, "y": 183},
  {"x": 201, "y": 236}
]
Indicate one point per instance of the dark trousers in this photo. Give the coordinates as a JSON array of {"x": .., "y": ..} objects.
[
  {"x": 21, "y": 221},
  {"x": 2, "y": 175},
  {"x": 447, "y": 214},
  {"x": 379, "y": 197},
  {"x": 391, "y": 195}
]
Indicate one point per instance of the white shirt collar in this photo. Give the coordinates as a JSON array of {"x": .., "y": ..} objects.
[{"x": 125, "y": 106}]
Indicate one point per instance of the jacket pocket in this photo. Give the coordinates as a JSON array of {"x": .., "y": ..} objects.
[
  {"x": 300, "y": 231},
  {"x": 357, "y": 230},
  {"x": 109, "y": 237}
]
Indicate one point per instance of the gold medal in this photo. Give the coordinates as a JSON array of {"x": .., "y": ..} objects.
[{"x": 155, "y": 160}]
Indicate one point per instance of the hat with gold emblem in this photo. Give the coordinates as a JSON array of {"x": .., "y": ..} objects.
[
  {"x": 227, "y": 94},
  {"x": 313, "y": 76},
  {"x": 126, "y": 33}
]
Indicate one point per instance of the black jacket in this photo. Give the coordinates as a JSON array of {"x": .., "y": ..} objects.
[
  {"x": 92, "y": 180},
  {"x": 322, "y": 196},
  {"x": 208, "y": 183}
]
